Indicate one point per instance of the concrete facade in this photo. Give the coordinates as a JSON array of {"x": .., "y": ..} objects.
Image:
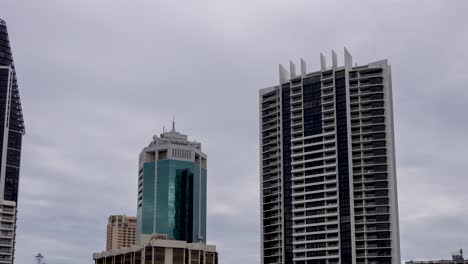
[
  {"x": 121, "y": 230},
  {"x": 327, "y": 166}
]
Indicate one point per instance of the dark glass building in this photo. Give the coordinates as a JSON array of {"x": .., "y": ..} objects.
[
  {"x": 11, "y": 133},
  {"x": 327, "y": 165}
]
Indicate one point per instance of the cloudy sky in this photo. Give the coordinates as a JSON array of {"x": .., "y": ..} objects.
[{"x": 99, "y": 78}]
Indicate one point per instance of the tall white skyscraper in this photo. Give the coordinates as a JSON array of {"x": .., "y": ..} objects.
[{"x": 328, "y": 176}]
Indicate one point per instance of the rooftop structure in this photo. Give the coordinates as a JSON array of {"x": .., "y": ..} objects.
[
  {"x": 457, "y": 258},
  {"x": 160, "y": 249}
]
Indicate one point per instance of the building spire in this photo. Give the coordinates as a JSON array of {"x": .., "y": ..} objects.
[{"x": 173, "y": 123}]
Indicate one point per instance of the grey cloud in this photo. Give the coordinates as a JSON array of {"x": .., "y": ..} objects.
[{"x": 99, "y": 78}]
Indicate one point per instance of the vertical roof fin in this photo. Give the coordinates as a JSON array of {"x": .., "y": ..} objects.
[
  {"x": 348, "y": 59},
  {"x": 292, "y": 69},
  {"x": 283, "y": 74},
  {"x": 303, "y": 67},
  {"x": 334, "y": 60},
  {"x": 323, "y": 62}
]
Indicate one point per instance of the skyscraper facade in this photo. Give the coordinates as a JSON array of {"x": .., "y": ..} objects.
[
  {"x": 172, "y": 188},
  {"x": 327, "y": 155},
  {"x": 11, "y": 133},
  {"x": 121, "y": 230}
]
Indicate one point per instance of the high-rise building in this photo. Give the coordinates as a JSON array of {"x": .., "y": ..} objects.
[
  {"x": 121, "y": 231},
  {"x": 11, "y": 133},
  {"x": 172, "y": 188},
  {"x": 327, "y": 155}
]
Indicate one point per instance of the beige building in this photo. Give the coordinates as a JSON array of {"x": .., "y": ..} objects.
[
  {"x": 120, "y": 232},
  {"x": 157, "y": 249}
]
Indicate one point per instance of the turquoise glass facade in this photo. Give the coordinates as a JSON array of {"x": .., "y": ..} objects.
[{"x": 173, "y": 200}]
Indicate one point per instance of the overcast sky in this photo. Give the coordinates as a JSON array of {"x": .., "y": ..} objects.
[{"x": 99, "y": 78}]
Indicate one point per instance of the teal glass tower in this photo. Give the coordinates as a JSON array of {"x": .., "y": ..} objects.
[{"x": 172, "y": 183}]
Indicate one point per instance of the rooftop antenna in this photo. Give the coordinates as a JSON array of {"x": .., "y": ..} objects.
[
  {"x": 163, "y": 129},
  {"x": 173, "y": 122},
  {"x": 39, "y": 259}
]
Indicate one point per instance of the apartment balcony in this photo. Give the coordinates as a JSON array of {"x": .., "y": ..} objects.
[
  {"x": 269, "y": 120},
  {"x": 327, "y": 91},
  {"x": 371, "y": 213},
  {"x": 271, "y": 253},
  {"x": 372, "y": 90},
  {"x": 296, "y": 92},
  {"x": 7, "y": 218},
  {"x": 297, "y": 134},
  {"x": 271, "y": 114},
  {"x": 365, "y": 180},
  {"x": 270, "y": 128},
  {"x": 271, "y": 215},
  {"x": 296, "y": 99},
  {"x": 266, "y": 107},
  {"x": 269, "y": 231},
  {"x": 271, "y": 154},
  {"x": 271, "y": 201},
  {"x": 297, "y": 116},
  {"x": 296, "y": 107},
  {"x": 268, "y": 186},
  {"x": 271, "y": 134},
  {"x": 6, "y": 226},
  {"x": 6, "y": 242},
  {"x": 328, "y": 116},
  {"x": 5, "y": 260},
  {"x": 272, "y": 143},
  {"x": 296, "y": 122},
  {"x": 271, "y": 165},
  {"x": 8, "y": 210},
  {"x": 372, "y": 74},
  {"x": 327, "y": 100},
  {"x": 368, "y": 107},
  {"x": 269, "y": 148},
  {"x": 269, "y": 169},
  {"x": 271, "y": 223},
  {"x": 269, "y": 238}
]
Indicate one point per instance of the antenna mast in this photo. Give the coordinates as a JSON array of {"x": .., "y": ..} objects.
[{"x": 39, "y": 259}]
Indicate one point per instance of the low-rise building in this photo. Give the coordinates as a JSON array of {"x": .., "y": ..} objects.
[
  {"x": 457, "y": 258},
  {"x": 158, "y": 249}
]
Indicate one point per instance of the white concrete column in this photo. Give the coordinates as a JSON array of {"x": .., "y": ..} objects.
[{"x": 168, "y": 256}]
